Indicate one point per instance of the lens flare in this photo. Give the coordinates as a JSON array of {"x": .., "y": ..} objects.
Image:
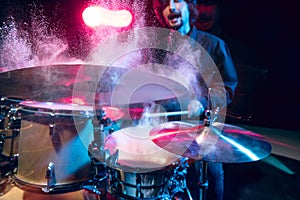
[{"x": 95, "y": 16}]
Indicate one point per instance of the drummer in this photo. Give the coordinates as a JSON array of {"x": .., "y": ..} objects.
[{"x": 179, "y": 15}]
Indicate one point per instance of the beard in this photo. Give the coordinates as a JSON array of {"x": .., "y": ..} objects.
[
  {"x": 176, "y": 27},
  {"x": 174, "y": 21}
]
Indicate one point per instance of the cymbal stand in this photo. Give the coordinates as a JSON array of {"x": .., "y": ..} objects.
[{"x": 203, "y": 185}]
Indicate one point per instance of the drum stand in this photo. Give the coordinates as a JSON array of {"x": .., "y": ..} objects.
[
  {"x": 8, "y": 162},
  {"x": 99, "y": 181},
  {"x": 203, "y": 185}
]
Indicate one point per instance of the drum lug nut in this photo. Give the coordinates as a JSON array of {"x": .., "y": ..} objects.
[{"x": 50, "y": 176}]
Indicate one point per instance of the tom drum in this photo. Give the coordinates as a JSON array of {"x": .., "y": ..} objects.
[{"x": 52, "y": 146}]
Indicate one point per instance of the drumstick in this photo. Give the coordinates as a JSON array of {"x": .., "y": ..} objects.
[{"x": 165, "y": 114}]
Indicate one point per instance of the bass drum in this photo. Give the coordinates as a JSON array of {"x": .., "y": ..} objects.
[{"x": 52, "y": 152}]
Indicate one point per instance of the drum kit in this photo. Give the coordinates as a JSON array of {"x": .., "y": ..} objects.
[{"x": 55, "y": 141}]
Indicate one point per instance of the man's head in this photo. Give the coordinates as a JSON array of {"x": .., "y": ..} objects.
[{"x": 175, "y": 14}]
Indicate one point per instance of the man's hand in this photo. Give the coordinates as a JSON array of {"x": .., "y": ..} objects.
[{"x": 195, "y": 108}]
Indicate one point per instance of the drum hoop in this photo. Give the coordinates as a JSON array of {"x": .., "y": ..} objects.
[
  {"x": 57, "y": 189},
  {"x": 85, "y": 113},
  {"x": 119, "y": 194}
]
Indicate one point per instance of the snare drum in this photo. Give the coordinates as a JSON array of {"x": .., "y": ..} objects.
[
  {"x": 143, "y": 170},
  {"x": 52, "y": 152}
]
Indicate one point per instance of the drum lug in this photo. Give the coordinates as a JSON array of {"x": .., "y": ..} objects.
[
  {"x": 50, "y": 176},
  {"x": 139, "y": 193}
]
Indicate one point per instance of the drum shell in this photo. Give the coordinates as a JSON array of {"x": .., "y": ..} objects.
[
  {"x": 152, "y": 185},
  {"x": 61, "y": 137}
]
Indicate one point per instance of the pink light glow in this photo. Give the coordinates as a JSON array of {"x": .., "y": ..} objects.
[{"x": 95, "y": 16}]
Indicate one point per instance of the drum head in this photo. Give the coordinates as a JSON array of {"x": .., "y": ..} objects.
[{"x": 136, "y": 152}]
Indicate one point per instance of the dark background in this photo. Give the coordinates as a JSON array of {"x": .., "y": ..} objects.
[{"x": 263, "y": 38}]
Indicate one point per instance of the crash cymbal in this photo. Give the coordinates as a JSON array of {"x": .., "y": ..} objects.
[
  {"x": 100, "y": 84},
  {"x": 52, "y": 83},
  {"x": 41, "y": 83},
  {"x": 215, "y": 143},
  {"x": 137, "y": 86}
]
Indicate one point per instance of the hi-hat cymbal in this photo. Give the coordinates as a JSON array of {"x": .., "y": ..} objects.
[{"x": 215, "y": 143}]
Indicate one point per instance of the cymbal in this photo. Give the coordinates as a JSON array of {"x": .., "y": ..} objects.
[
  {"x": 105, "y": 85},
  {"x": 46, "y": 83},
  {"x": 137, "y": 86},
  {"x": 215, "y": 143}
]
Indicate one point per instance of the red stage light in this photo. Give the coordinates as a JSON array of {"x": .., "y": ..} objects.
[{"x": 95, "y": 16}]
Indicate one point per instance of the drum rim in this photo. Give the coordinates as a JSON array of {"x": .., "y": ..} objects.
[
  {"x": 54, "y": 112},
  {"x": 56, "y": 189},
  {"x": 10, "y": 99},
  {"x": 56, "y": 109}
]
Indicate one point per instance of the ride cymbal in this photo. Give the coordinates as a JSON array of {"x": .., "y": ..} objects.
[{"x": 215, "y": 143}]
